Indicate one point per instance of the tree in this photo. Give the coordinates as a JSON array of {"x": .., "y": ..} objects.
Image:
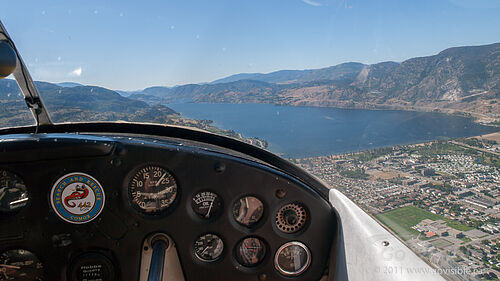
[{"x": 463, "y": 249}]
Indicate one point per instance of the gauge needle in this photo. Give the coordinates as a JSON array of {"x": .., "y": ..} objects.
[
  {"x": 158, "y": 182},
  {"x": 206, "y": 248},
  {"x": 296, "y": 260},
  {"x": 210, "y": 208},
  {"x": 10, "y": 266}
]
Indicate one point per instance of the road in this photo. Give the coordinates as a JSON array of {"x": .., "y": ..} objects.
[{"x": 473, "y": 147}]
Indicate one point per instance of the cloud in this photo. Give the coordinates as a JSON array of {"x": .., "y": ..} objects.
[
  {"x": 76, "y": 73},
  {"x": 312, "y": 3}
]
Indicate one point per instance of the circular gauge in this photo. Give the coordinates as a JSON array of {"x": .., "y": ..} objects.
[
  {"x": 250, "y": 251},
  {"x": 20, "y": 265},
  {"x": 152, "y": 190},
  {"x": 206, "y": 204},
  {"x": 208, "y": 247},
  {"x": 292, "y": 258},
  {"x": 91, "y": 266},
  {"x": 13, "y": 193},
  {"x": 248, "y": 210},
  {"x": 291, "y": 218}
]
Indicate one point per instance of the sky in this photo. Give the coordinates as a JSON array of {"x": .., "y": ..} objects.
[{"x": 131, "y": 45}]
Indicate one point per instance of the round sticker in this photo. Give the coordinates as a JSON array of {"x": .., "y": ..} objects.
[{"x": 77, "y": 198}]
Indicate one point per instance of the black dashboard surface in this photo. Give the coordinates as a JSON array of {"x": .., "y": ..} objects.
[{"x": 119, "y": 230}]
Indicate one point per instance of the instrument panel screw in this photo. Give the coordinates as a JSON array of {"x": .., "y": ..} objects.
[
  {"x": 280, "y": 193},
  {"x": 220, "y": 168},
  {"x": 262, "y": 277},
  {"x": 116, "y": 162}
]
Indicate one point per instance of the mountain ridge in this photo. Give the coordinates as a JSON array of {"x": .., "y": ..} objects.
[
  {"x": 93, "y": 103},
  {"x": 335, "y": 72},
  {"x": 458, "y": 80}
]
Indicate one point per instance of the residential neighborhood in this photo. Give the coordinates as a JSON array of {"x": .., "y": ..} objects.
[{"x": 442, "y": 198}]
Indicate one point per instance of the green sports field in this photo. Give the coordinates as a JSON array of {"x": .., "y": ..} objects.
[
  {"x": 441, "y": 243},
  {"x": 401, "y": 220}
]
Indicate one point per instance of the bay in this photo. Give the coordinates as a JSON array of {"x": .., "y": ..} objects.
[{"x": 296, "y": 132}]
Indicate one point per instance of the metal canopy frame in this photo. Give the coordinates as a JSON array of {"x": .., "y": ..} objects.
[{"x": 26, "y": 84}]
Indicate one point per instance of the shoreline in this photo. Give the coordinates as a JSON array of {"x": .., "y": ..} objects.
[
  {"x": 263, "y": 143},
  {"x": 478, "y": 118},
  {"x": 490, "y": 136}
]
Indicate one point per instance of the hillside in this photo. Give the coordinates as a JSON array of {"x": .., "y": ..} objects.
[
  {"x": 78, "y": 103},
  {"x": 338, "y": 72},
  {"x": 461, "y": 80},
  {"x": 69, "y": 84},
  {"x": 91, "y": 103}
]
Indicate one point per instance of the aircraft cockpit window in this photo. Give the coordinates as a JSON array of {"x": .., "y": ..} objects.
[{"x": 250, "y": 140}]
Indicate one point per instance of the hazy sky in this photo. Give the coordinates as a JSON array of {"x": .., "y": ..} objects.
[{"x": 130, "y": 45}]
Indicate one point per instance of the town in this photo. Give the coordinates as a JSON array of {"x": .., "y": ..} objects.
[{"x": 441, "y": 198}]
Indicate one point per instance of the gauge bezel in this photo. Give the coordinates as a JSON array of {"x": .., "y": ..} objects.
[
  {"x": 206, "y": 261},
  {"x": 266, "y": 254},
  {"x": 290, "y": 273},
  {"x": 28, "y": 203},
  {"x": 297, "y": 232},
  {"x": 44, "y": 269},
  {"x": 255, "y": 224},
  {"x": 80, "y": 257},
  {"x": 199, "y": 217},
  {"x": 140, "y": 212}
]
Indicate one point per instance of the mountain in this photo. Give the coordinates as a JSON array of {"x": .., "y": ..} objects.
[
  {"x": 68, "y": 84},
  {"x": 92, "y": 103},
  {"x": 258, "y": 91},
  {"x": 338, "y": 72},
  {"x": 461, "y": 80},
  {"x": 79, "y": 103}
]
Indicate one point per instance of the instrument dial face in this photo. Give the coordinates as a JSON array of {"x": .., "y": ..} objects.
[
  {"x": 248, "y": 210},
  {"x": 208, "y": 247},
  {"x": 292, "y": 259},
  {"x": 20, "y": 265},
  {"x": 250, "y": 251},
  {"x": 13, "y": 192},
  {"x": 152, "y": 190},
  {"x": 206, "y": 204},
  {"x": 91, "y": 266},
  {"x": 291, "y": 218}
]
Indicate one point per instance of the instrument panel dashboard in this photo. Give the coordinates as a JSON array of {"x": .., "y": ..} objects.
[{"x": 76, "y": 206}]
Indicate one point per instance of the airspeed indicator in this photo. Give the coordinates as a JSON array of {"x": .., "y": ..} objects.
[{"x": 152, "y": 190}]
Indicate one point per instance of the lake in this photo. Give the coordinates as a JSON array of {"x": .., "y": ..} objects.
[{"x": 296, "y": 132}]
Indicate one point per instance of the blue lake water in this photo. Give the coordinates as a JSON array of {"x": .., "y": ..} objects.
[{"x": 311, "y": 131}]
